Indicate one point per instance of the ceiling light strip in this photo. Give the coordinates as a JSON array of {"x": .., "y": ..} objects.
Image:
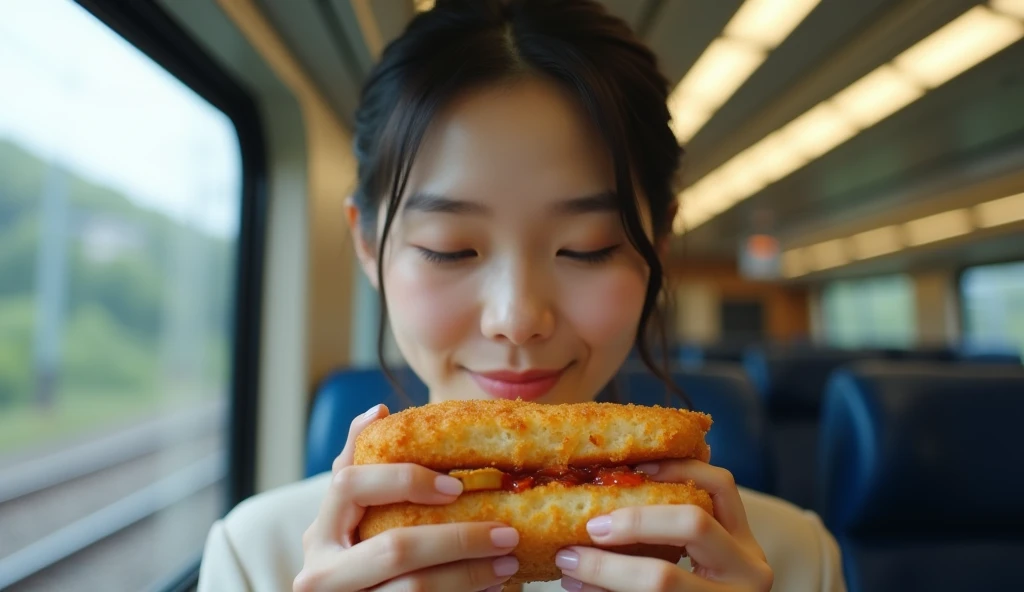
[
  {"x": 999, "y": 212},
  {"x": 897, "y": 237},
  {"x": 938, "y": 227},
  {"x": 1014, "y": 8},
  {"x": 975, "y": 36},
  {"x": 757, "y": 28}
]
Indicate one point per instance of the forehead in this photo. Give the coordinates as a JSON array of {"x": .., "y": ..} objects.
[{"x": 523, "y": 140}]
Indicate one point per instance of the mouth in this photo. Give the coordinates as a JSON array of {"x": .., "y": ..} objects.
[{"x": 528, "y": 385}]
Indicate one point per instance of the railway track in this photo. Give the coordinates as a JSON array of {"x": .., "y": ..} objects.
[{"x": 61, "y": 505}]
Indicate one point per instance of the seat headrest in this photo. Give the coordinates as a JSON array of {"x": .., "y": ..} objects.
[
  {"x": 791, "y": 380},
  {"x": 982, "y": 355},
  {"x": 345, "y": 394},
  {"x": 917, "y": 447},
  {"x": 970, "y": 353},
  {"x": 921, "y": 354},
  {"x": 693, "y": 354}
]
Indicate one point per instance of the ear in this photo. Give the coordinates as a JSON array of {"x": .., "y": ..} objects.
[{"x": 366, "y": 251}]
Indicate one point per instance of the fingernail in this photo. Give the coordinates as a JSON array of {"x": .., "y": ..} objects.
[
  {"x": 448, "y": 485},
  {"x": 371, "y": 412},
  {"x": 504, "y": 537},
  {"x": 649, "y": 468},
  {"x": 567, "y": 560},
  {"x": 505, "y": 566},
  {"x": 571, "y": 584},
  {"x": 600, "y": 526}
]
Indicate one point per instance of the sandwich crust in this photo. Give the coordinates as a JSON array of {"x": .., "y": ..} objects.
[
  {"x": 517, "y": 435},
  {"x": 548, "y": 518}
]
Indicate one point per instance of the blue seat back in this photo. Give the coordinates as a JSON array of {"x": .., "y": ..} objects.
[
  {"x": 736, "y": 438},
  {"x": 693, "y": 354},
  {"x": 791, "y": 380},
  {"x": 921, "y": 354},
  {"x": 341, "y": 397},
  {"x": 990, "y": 354},
  {"x": 791, "y": 383},
  {"x": 921, "y": 475},
  {"x": 963, "y": 353}
]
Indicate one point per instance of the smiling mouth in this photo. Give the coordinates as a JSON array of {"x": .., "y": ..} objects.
[{"x": 528, "y": 386}]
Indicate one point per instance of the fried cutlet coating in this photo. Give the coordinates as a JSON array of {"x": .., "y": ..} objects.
[
  {"x": 548, "y": 518},
  {"x": 516, "y": 435}
]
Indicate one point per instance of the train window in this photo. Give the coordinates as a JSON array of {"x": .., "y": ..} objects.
[
  {"x": 992, "y": 297},
  {"x": 872, "y": 312},
  {"x": 120, "y": 198}
]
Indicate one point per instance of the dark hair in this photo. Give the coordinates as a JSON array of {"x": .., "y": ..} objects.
[{"x": 462, "y": 45}]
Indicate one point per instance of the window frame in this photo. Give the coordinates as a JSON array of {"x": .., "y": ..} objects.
[{"x": 156, "y": 34}]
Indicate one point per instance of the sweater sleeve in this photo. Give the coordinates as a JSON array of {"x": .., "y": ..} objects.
[
  {"x": 831, "y": 570},
  {"x": 221, "y": 571}
]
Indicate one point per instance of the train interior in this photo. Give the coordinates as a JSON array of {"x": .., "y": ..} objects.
[{"x": 183, "y": 323}]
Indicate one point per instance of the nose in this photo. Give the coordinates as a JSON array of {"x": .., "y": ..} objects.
[{"x": 517, "y": 308}]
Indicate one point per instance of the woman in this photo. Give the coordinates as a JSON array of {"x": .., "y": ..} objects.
[{"x": 516, "y": 172}]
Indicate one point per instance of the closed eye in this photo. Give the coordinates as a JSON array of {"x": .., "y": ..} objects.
[
  {"x": 598, "y": 256},
  {"x": 446, "y": 256}
]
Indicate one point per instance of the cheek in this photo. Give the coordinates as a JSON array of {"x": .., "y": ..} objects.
[
  {"x": 430, "y": 310},
  {"x": 604, "y": 309}
]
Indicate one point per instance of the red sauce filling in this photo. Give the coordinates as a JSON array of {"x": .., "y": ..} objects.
[{"x": 568, "y": 476}]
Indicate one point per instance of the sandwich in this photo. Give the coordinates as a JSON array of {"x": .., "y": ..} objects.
[{"x": 544, "y": 470}]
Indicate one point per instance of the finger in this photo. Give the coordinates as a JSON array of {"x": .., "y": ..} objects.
[
  {"x": 356, "y": 487},
  {"x": 478, "y": 574},
  {"x": 705, "y": 540},
  {"x": 574, "y": 585},
  {"x": 718, "y": 482},
  {"x": 401, "y": 551},
  {"x": 625, "y": 573},
  {"x": 325, "y": 527},
  {"x": 355, "y": 428}
]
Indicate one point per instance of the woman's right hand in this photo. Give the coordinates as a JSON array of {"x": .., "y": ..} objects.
[{"x": 466, "y": 557}]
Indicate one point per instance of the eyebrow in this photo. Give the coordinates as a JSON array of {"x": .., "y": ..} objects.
[
  {"x": 603, "y": 201},
  {"x": 433, "y": 203}
]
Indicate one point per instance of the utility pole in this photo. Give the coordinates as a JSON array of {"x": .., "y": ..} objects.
[{"x": 51, "y": 285}]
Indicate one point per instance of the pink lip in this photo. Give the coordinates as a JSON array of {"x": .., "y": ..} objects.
[{"x": 528, "y": 386}]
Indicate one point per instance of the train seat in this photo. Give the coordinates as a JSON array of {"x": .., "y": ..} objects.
[
  {"x": 920, "y": 475},
  {"x": 990, "y": 355},
  {"x": 791, "y": 382},
  {"x": 693, "y": 354},
  {"x": 922, "y": 354},
  {"x": 342, "y": 396},
  {"x": 736, "y": 439},
  {"x": 961, "y": 353}
]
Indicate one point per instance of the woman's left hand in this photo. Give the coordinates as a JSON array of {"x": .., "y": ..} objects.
[{"x": 722, "y": 549}]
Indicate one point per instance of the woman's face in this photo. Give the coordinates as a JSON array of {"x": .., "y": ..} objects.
[{"x": 507, "y": 270}]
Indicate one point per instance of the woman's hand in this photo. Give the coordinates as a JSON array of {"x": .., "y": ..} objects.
[
  {"x": 722, "y": 549},
  {"x": 459, "y": 557}
]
